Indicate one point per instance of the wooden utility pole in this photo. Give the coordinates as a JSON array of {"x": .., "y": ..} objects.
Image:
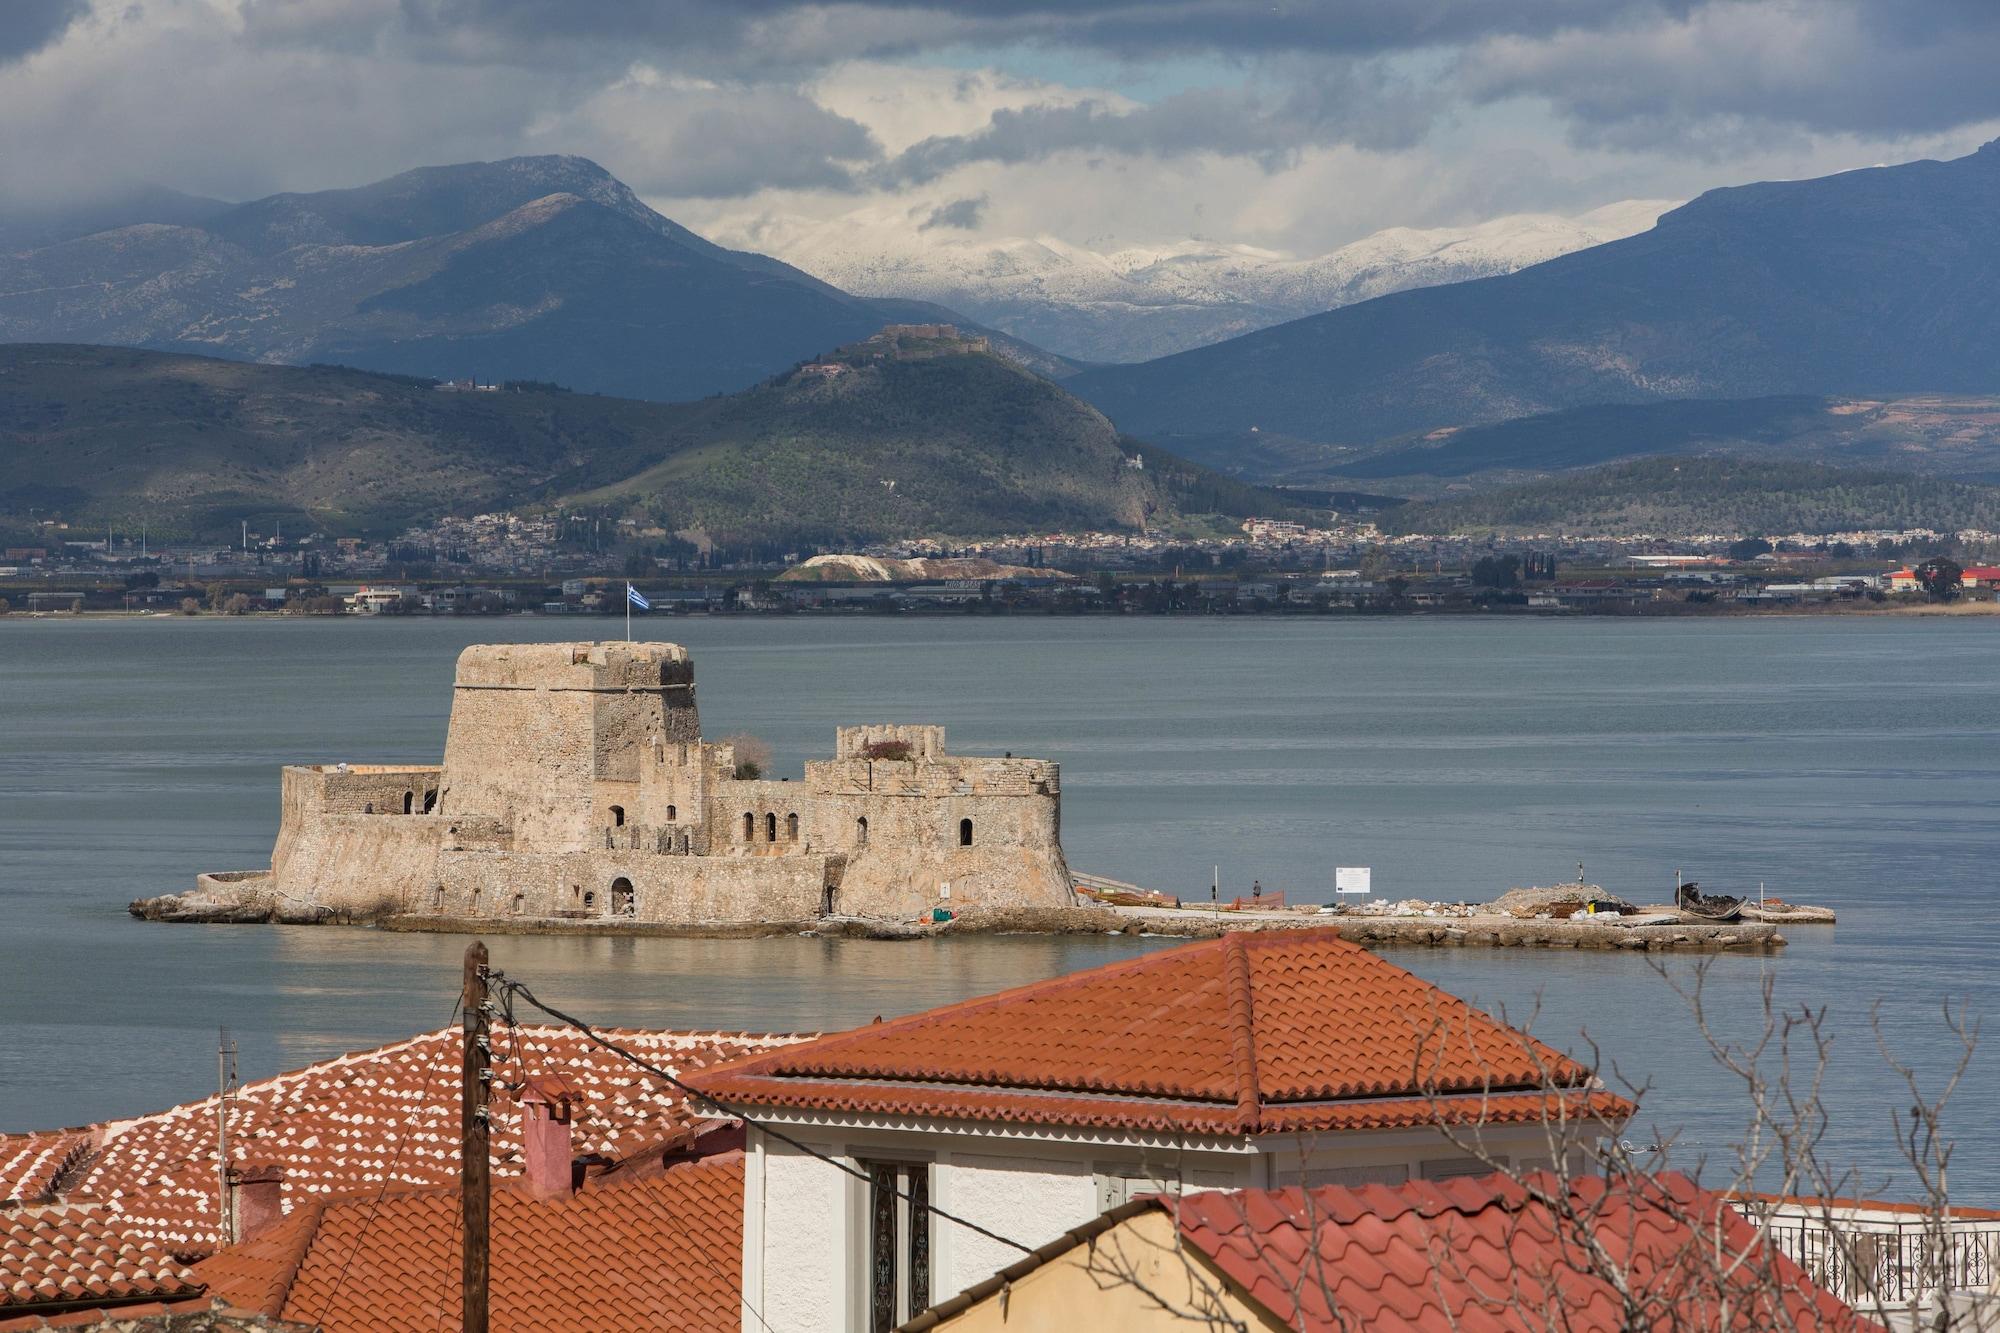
[
  {"x": 474, "y": 1166},
  {"x": 225, "y": 1083}
]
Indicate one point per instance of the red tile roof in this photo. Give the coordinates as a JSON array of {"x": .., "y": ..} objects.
[
  {"x": 375, "y": 1118},
  {"x": 1482, "y": 1256},
  {"x": 658, "y": 1249},
  {"x": 1247, "y": 1034},
  {"x": 64, "y": 1254},
  {"x": 31, "y": 1163}
]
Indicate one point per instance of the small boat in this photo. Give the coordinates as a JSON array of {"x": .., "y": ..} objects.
[{"x": 1707, "y": 906}]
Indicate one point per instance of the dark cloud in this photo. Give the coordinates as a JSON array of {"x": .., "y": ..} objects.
[
  {"x": 26, "y": 26},
  {"x": 960, "y": 214},
  {"x": 1360, "y": 107},
  {"x": 1716, "y": 79},
  {"x": 1124, "y": 27}
]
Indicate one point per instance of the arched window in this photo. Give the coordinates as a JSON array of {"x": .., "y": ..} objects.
[
  {"x": 770, "y": 828},
  {"x": 520, "y": 903},
  {"x": 368, "y": 809},
  {"x": 861, "y": 831},
  {"x": 430, "y": 801},
  {"x": 618, "y": 816},
  {"x": 623, "y": 901},
  {"x": 749, "y": 826},
  {"x": 965, "y": 833},
  {"x": 791, "y": 828},
  {"x": 673, "y": 815},
  {"x": 590, "y": 902},
  {"x": 409, "y": 802}
]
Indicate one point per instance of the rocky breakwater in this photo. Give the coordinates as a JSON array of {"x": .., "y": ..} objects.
[{"x": 230, "y": 897}]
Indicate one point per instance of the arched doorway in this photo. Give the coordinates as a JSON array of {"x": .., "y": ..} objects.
[
  {"x": 623, "y": 901},
  {"x": 409, "y": 802},
  {"x": 617, "y": 816},
  {"x": 770, "y": 827}
]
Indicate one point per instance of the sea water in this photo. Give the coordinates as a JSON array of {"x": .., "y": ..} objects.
[{"x": 1844, "y": 761}]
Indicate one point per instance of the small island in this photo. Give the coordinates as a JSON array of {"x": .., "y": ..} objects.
[{"x": 576, "y": 790}]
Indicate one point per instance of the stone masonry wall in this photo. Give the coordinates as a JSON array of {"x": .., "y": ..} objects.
[{"x": 576, "y": 786}]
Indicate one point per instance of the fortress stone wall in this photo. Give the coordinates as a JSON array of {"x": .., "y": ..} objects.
[{"x": 576, "y": 786}]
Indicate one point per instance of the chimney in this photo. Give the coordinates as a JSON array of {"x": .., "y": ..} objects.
[
  {"x": 548, "y": 1105},
  {"x": 256, "y": 1200}
]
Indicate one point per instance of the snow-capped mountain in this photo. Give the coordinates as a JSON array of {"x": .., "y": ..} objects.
[{"x": 1134, "y": 304}]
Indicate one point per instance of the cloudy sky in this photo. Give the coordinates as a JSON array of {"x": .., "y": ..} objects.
[{"x": 1296, "y": 125}]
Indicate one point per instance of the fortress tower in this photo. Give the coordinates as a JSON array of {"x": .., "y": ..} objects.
[
  {"x": 576, "y": 785},
  {"x": 536, "y": 726}
]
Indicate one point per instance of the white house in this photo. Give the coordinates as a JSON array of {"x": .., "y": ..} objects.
[{"x": 1245, "y": 1062}]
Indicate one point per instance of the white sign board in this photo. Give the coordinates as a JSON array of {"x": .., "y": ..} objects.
[{"x": 1350, "y": 879}]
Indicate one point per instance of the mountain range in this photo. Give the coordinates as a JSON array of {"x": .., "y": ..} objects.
[
  {"x": 1873, "y": 283},
  {"x": 895, "y": 436},
  {"x": 1135, "y": 303},
  {"x": 543, "y": 268}
]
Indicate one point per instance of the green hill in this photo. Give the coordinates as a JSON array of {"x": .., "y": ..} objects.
[
  {"x": 1695, "y": 496},
  {"x": 973, "y": 444},
  {"x": 915, "y": 436},
  {"x": 1940, "y": 435}
]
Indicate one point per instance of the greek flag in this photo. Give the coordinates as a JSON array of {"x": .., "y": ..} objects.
[{"x": 636, "y": 598}]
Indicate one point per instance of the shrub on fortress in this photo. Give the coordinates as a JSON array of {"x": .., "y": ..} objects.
[{"x": 887, "y": 750}]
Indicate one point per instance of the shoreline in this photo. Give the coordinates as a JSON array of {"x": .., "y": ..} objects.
[
  {"x": 1486, "y": 930},
  {"x": 1664, "y": 611}
]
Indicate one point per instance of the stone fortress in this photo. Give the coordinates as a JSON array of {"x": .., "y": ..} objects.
[{"x": 576, "y": 787}]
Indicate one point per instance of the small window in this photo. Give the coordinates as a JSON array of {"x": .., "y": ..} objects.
[
  {"x": 770, "y": 827},
  {"x": 673, "y": 815},
  {"x": 791, "y": 828},
  {"x": 899, "y": 1242},
  {"x": 590, "y": 902},
  {"x": 617, "y": 816},
  {"x": 520, "y": 903},
  {"x": 409, "y": 802},
  {"x": 861, "y": 831},
  {"x": 430, "y": 801},
  {"x": 965, "y": 833},
  {"x": 749, "y": 826}
]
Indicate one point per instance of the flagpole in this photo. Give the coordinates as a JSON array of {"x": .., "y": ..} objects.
[{"x": 628, "y": 611}]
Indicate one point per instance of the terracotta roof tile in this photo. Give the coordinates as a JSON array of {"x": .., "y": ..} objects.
[
  {"x": 374, "y": 1119},
  {"x": 641, "y": 1249},
  {"x": 31, "y": 1163},
  {"x": 1246, "y": 1034},
  {"x": 1480, "y": 1254},
  {"x": 65, "y": 1253}
]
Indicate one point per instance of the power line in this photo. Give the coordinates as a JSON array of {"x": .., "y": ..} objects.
[{"x": 510, "y": 988}]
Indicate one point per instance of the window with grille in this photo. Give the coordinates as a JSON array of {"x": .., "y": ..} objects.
[{"x": 899, "y": 1242}]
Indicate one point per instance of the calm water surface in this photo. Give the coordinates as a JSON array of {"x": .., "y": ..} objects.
[{"x": 1852, "y": 763}]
